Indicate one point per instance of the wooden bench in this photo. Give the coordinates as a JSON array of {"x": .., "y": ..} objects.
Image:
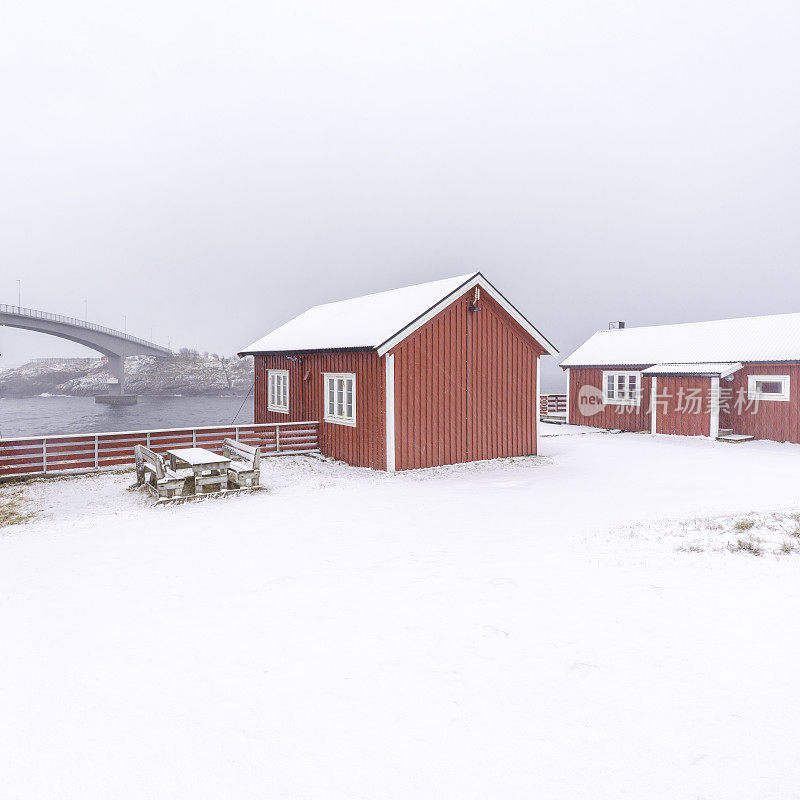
[
  {"x": 244, "y": 470},
  {"x": 152, "y": 471}
]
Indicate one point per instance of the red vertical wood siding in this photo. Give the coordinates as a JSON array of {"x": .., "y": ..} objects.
[
  {"x": 683, "y": 406},
  {"x": 363, "y": 445},
  {"x": 770, "y": 419},
  {"x": 625, "y": 418},
  {"x": 465, "y": 388}
]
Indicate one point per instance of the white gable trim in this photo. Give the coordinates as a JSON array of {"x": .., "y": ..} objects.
[{"x": 446, "y": 301}]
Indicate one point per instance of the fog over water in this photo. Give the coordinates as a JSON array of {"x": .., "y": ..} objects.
[{"x": 209, "y": 170}]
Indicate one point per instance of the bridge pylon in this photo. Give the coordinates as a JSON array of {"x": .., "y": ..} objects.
[{"x": 116, "y": 385}]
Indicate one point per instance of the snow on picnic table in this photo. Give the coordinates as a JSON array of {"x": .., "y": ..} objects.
[{"x": 491, "y": 630}]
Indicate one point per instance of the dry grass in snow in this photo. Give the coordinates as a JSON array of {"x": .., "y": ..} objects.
[
  {"x": 14, "y": 507},
  {"x": 755, "y": 533}
]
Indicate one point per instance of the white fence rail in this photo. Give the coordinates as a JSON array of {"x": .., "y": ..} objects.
[{"x": 90, "y": 451}]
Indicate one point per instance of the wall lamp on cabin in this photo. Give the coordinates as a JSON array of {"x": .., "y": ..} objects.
[{"x": 473, "y": 303}]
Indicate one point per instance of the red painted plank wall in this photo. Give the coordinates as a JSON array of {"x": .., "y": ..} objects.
[
  {"x": 362, "y": 445},
  {"x": 465, "y": 388},
  {"x": 773, "y": 419},
  {"x": 624, "y": 418},
  {"x": 683, "y": 406},
  {"x": 430, "y": 399}
]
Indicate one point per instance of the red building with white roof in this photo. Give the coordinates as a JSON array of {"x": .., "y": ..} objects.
[
  {"x": 439, "y": 373},
  {"x": 734, "y": 379}
]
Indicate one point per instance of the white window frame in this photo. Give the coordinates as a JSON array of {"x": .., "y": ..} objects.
[
  {"x": 335, "y": 377},
  {"x": 626, "y": 400},
  {"x": 754, "y": 394},
  {"x": 273, "y": 404}
]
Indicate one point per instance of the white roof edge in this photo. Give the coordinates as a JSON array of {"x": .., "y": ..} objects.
[
  {"x": 721, "y": 368},
  {"x": 732, "y": 368},
  {"x": 493, "y": 292}
]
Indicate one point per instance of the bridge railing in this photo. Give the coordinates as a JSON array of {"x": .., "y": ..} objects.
[
  {"x": 91, "y": 451},
  {"x": 79, "y": 323}
]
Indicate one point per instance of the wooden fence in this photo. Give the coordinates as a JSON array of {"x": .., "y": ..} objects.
[
  {"x": 551, "y": 405},
  {"x": 90, "y": 451}
]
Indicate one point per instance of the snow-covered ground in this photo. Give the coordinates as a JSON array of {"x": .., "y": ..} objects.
[{"x": 572, "y": 626}]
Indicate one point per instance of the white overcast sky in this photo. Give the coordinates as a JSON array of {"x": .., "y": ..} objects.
[{"x": 209, "y": 170}]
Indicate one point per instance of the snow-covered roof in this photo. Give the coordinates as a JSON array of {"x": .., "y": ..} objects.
[
  {"x": 377, "y": 321},
  {"x": 722, "y": 370},
  {"x": 770, "y": 338}
]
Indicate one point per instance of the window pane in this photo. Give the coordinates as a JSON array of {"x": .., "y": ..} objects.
[
  {"x": 272, "y": 390},
  {"x": 610, "y": 385},
  {"x": 632, "y": 386},
  {"x": 330, "y": 397},
  {"x": 769, "y": 387},
  {"x": 339, "y": 397},
  {"x": 349, "y": 398}
]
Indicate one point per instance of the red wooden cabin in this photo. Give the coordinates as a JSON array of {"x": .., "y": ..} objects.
[
  {"x": 732, "y": 379},
  {"x": 438, "y": 373}
]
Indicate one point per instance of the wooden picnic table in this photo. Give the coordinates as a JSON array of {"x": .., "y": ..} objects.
[{"x": 208, "y": 468}]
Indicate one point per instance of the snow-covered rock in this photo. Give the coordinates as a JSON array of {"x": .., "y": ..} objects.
[{"x": 184, "y": 374}]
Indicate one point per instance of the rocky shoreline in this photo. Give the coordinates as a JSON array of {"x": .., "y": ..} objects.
[{"x": 188, "y": 374}]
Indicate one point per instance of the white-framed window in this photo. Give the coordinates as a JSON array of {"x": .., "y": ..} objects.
[
  {"x": 340, "y": 397},
  {"x": 768, "y": 387},
  {"x": 278, "y": 386},
  {"x": 622, "y": 388}
]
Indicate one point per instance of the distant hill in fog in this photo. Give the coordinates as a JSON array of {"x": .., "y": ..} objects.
[{"x": 187, "y": 373}]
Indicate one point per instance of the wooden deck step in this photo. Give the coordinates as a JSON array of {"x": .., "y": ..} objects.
[
  {"x": 556, "y": 419},
  {"x": 735, "y": 438},
  {"x": 724, "y": 432}
]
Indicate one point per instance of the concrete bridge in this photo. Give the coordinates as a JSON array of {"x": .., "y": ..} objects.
[{"x": 115, "y": 345}]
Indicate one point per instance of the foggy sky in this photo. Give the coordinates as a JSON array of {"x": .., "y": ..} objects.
[{"x": 211, "y": 170}]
